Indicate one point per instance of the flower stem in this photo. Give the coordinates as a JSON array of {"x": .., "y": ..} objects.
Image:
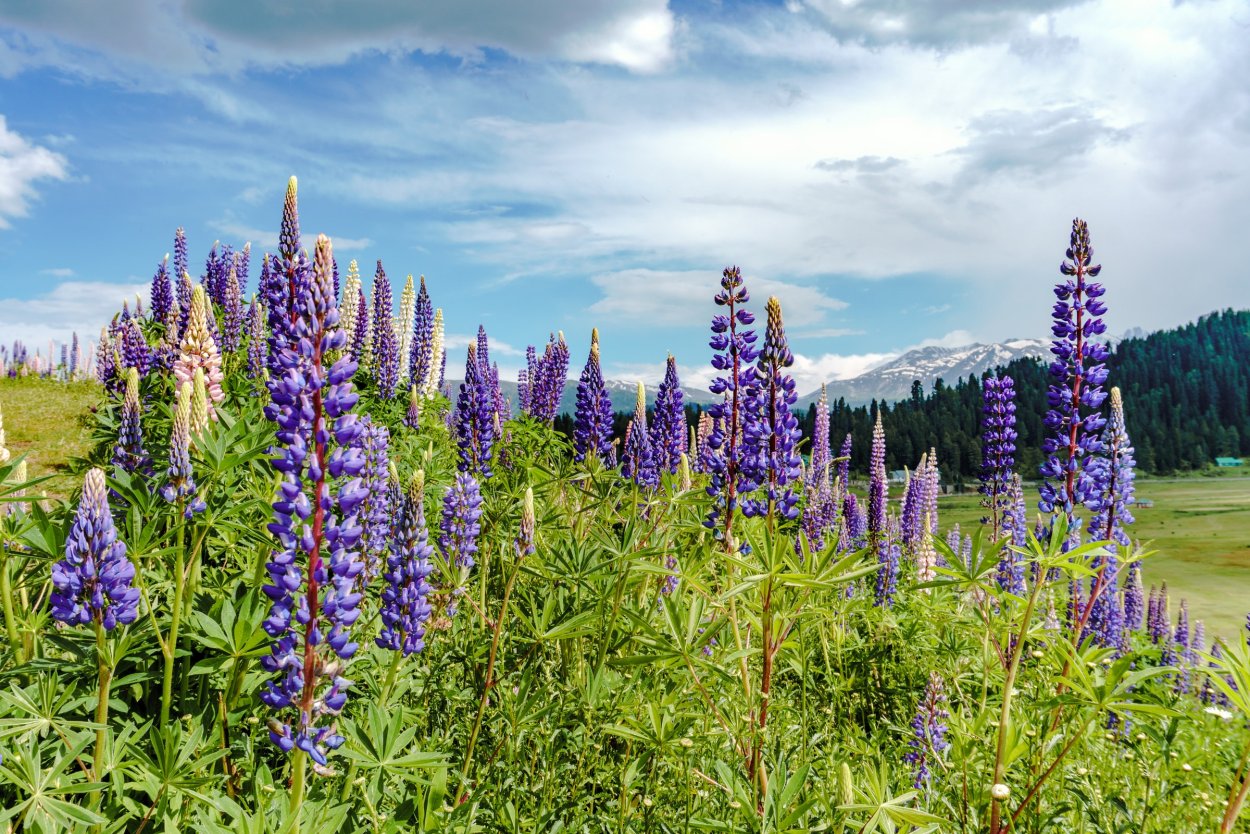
[
  {"x": 6, "y": 597},
  {"x": 298, "y": 763},
  {"x": 170, "y": 647},
  {"x": 102, "y": 700}
]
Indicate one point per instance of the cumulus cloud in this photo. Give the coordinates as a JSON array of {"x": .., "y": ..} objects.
[
  {"x": 22, "y": 165},
  {"x": 65, "y": 308}
]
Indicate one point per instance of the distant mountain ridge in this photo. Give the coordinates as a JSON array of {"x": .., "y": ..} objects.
[{"x": 892, "y": 381}]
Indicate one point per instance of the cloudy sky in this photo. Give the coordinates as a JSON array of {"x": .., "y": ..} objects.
[{"x": 897, "y": 173}]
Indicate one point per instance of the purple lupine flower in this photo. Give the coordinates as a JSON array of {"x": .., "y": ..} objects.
[
  {"x": 134, "y": 348},
  {"x": 998, "y": 449},
  {"x": 129, "y": 454},
  {"x": 668, "y": 429},
  {"x": 1158, "y": 624},
  {"x": 770, "y": 431},
  {"x": 733, "y": 353},
  {"x": 181, "y": 264},
  {"x": 313, "y": 574},
  {"x": 375, "y": 511},
  {"x": 362, "y": 339},
  {"x": 877, "y": 486},
  {"x": 1072, "y": 615},
  {"x": 162, "y": 292},
  {"x": 209, "y": 279},
  {"x": 819, "y": 510},
  {"x": 75, "y": 356},
  {"x": 544, "y": 379},
  {"x": 94, "y": 582},
  {"x": 462, "y": 507},
  {"x": 255, "y": 340},
  {"x": 288, "y": 284},
  {"x": 855, "y": 523},
  {"x": 844, "y": 463},
  {"x": 232, "y": 313},
  {"x": 928, "y": 741},
  {"x": 638, "y": 461},
  {"x": 385, "y": 343},
  {"x": 888, "y": 557},
  {"x": 1010, "y": 575},
  {"x": 911, "y": 519},
  {"x": 475, "y": 418},
  {"x": 412, "y": 417},
  {"x": 1112, "y": 478},
  {"x": 1077, "y": 375},
  {"x": 420, "y": 353},
  {"x": 1180, "y": 654},
  {"x": 405, "y": 597},
  {"x": 490, "y": 374},
  {"x": 523, "y": 379},
  {"x": 243, "y": 267},
  {"x": 186, "y": 291},
  {"x": 592, "y": 425},
  {"x": 1133, "y": 602}
]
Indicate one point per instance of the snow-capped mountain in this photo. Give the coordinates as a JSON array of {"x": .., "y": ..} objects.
[{"x": 892, "y": 381}]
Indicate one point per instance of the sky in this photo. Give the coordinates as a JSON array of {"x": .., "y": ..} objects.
[{"x": 899, "y": 174}]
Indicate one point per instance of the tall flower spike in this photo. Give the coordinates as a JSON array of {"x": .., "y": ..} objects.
[
  {"x": 462, "y": 507},
  {"x": 200, "y": 351},
  {"x": 350, "y": 307},
  {"x": 199, "y": 404},
  {"x": 877, "y": 485},
  {"x": 592, "y": 425},
  {"x": 407, "y": 318},
  {"x": 255, "y": 340},
  {"x": 362, "y": 339},
  {"x": 412, "y": 417},
  {"x": 129, "y": 454},
  {"x": 1110, "y": 497},
  {"x": 998, "y": 449},
  {"x": 638, "y": 461},
  {"x": 180, "y": 483},
  {"x": 544, "y": 380},
  {"x": 405, "y": 606},
  {"x": 375, "y": 512},
  {"x": 313, "y": 575},
  {"x": 433, "y": 379},
  {"x": 771, "y": 432},
  {"x": 134, "y": 348},
  {"x": 290, "y": 276},
  {"x": 1010, "y": 576},
  {"x": 385, "y": 343},
  {"x": 95, "y": 579},
  {"x": 733, "y": 352},
  {"x": 928, "y": 741},
  {"x": 181, "y": 264},
  {"x": 668, "y": 431},
  {"x": 162, "y": 292},
  {"x": 475, "y": 418},
  {"x": 1077, "y": 374},
  {"x": 422, "y": 336},
  {"x": 232, "y": 313}
]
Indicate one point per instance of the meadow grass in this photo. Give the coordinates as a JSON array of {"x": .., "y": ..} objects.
[
  {"x": 48, "y": 420},
  {"x": 1198, "y": 533}
]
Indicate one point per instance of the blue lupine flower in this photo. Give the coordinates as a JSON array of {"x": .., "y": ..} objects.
[
  {"x": 771, "y": 431},
  {"x": 592, "y": 424},
  {"x": 405, "y": 597}
]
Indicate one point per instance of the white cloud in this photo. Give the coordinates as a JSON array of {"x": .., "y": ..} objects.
[
  {"x": 22, "y": 165},
  {"x": 68, "y": 307},
  {"x": 671, "y": 297},
  {"x": 57, "y": 272},
  {"x": 459, "y": 342},
  {"x": 268, "y": 241}
]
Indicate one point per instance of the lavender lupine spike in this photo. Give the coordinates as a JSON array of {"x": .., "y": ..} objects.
[
  {"x": 405, "y": 597},
  {"x": 878, "y": 487},
  {"x": 668, "y": 429},
  {"x": 162, "y": 292},
  {"x": 186, "y": 290},
  {"x": 928, "y": 741},
  {"x": 1010, "y": 576},
  {"x": 733, "y": 352},
  {"x": 1110, "y": 495},
  {"x": 998, "y": 449},
  {"x": 1133, "y": 593},
  {"x": 75, "y": 357},
  {"x": 844, "y": 468},
  {"x": 855, "y": 523},
  {"x": 407, "y": 319},
  {"x": 385, "y": 341},
  {"x": 770, "y": 431},
  {"x": 134, "y": 348},
  {"x": 592, "y": 427},
  {"x": 350, "y": 306},
  {"x": 911, "y": 519},
  {"x": 243, "y": 267},
  {"x": 198, "y": 350},
  {"x": 412, "y": 417},
  {"x": 819, "y": 508},
  {"x": 181, "y": 264},
  {"x": 94, "y": 582},
  {"x": 638, "y": 461},
  {"x": 232, "y": 312},
  {"x": 1158, "y": 626},
  {"x": 313, "y": 575},
  {"x": 209, "y": 279},
  {"x": 1180, "y": 653},
  {"x": 1077, "y": 374},
  {"x": 475, "y": 418},
  {"x": 179, "y": 481},
  {"x": 544, "y": 379},
  {"x": 462, "y": 507},
  {"x": 375, "y": 511},
  {"x": 255, "y": 340},
  {"x": 362, "y": 339},
  {"x": 422, "y": 337},
  {"x": 933, "y": 486},
  {"x": 129, "y": 454},
  {"x": 290, "y": 277}
]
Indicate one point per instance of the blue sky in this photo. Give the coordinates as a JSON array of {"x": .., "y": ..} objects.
[{"x": 897, "y": 173}]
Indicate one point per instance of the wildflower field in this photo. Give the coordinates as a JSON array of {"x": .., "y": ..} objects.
[{"x": 305, "y": 583}]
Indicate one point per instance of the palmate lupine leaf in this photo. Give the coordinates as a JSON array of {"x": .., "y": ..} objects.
[
  {"x": 172, "y": 764},
  {"x": 47, "y": 793}
]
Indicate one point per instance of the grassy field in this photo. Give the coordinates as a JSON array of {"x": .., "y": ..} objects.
[
  {"x": 1199, "y": 530},
  {"x": 1199, "y": 527},
  {"x": 46, "y": 421}
]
